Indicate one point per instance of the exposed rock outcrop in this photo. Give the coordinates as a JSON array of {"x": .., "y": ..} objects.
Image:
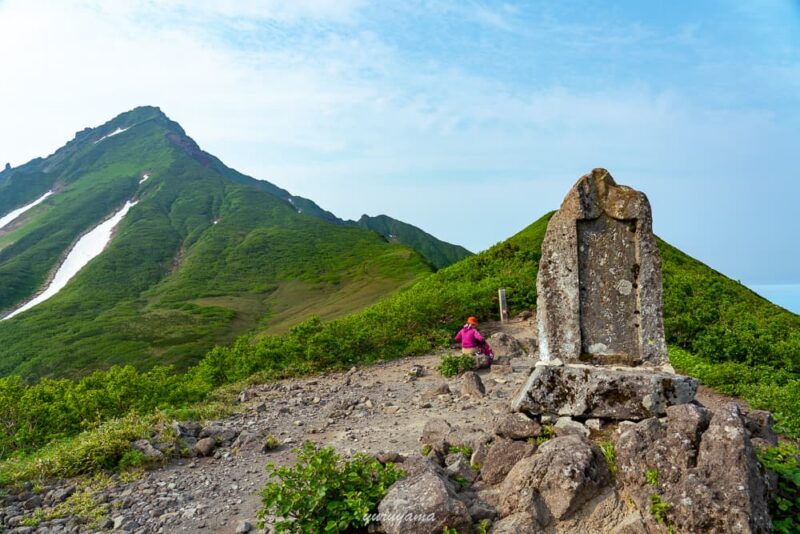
[
  {"x": 472, "y": 385},
  {"x": 423, "y": 503},
  {"x": 702, "y": 464},
  {"x": 506, "y": 346},
  {"x": 517, "y": 426},
  {"x": 564, "y": 473}
]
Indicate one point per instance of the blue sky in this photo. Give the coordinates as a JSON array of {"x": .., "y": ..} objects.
[{"x": 467, "y": 118}]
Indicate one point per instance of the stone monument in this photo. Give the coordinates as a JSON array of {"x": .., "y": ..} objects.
[{"x": 599, "y": 312}]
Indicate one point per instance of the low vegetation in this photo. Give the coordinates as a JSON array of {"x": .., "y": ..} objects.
[
  {"x": 785, "y": 506},
  {"x": 762, "y": 386},
  {"x": 651, "y": 476},
  {"x": 465, "y": 451},
  {"x": 659, "y": 508},
  {"x": 730, "y": 338},
  {"x": 323, "y": 492},
  {"x": 83, "y": 504},
  {"x": 455, "y": 364},
  {"x": 610, "y": 455}
]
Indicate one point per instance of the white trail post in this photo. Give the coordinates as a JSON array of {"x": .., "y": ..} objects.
[{"x": 503, "y": 305}]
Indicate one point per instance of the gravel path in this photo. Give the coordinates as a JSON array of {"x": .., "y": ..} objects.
[{"x": 375, "y": 409}]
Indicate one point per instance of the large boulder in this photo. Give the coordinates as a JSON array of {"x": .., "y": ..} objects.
[
  {"x": 602, "y": 392},
  {"x": 517, "y": 426},
  {"x": 221, "y": 434},
  {"x": 435, "y": 431},
  {"x": 205, "y": 446},
  {"x": 505, "y": 346},
  {"x": 727, "y": 458},
  {"x": 422, "y": 503},
  {"x": 248, "y": 439},
  {"x": 502, "y": 456},
  {"x": 520, "y": 523},
  {"x": 565, "y": 473},
  {"x": 471, "y": 385},
  {"x": 150, "y": 453},
  {"x": 703, "y": 465}
]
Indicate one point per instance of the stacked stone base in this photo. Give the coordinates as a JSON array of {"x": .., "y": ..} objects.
[
  {"x": 614, "y": 393},
  {"x": 698, "y": 465}
]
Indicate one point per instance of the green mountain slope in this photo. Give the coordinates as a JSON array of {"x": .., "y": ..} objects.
[
  {"x": 436, "y": 251},
  {"x": 206, "y": 255}
]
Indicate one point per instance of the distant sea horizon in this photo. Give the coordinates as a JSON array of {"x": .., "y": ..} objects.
[{"x": 784, "y": 295}]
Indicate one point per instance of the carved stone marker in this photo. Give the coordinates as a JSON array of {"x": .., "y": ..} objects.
[
  {"x": 599, "y": 281},
  {"x": 601, "y": 329}
]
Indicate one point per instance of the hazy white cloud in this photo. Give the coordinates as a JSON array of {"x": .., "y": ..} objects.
[{"x": 278, "y": 10}]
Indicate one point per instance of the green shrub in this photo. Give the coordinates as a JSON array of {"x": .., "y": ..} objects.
[
  {"x": 131, "y": 458},
  {"x": 89, "y": 452},
  {"x": 548, "y": 431},
  {"x": 455, "y": 364},
  {"x": 464, "y": 450},
  {"x": 659, "y": 508},
  {"x": 720, "y": 320},
  {"x": 762, "y": 386},
  {"x": 271, "y": 443},
  {"x": 785, "y": 506},
  {"x": 651, "y": 476},
  {"x": 323, "y": 492},
  {"x": 610, "y": 454}
]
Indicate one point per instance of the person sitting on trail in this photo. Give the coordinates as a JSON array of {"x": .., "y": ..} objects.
[{"x": 472, "y": 341}]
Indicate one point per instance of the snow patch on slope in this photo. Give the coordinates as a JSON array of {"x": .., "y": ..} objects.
[
  {"x": 144, "y": 178},
  {"x": 112, "y": 134},
  {"x": 87, "y": 248},
  {"x": 8, "y": 219}
]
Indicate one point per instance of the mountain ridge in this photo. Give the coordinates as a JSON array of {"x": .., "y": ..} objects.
[
  {"x": 439, "y": 253},
  {"x": 191, "y": 256}
]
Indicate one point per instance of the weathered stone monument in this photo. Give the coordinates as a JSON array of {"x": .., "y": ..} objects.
[{"x": 601, "y": 331}]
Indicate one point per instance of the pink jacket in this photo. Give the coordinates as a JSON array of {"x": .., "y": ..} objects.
[{"x": 470, "y": 337}]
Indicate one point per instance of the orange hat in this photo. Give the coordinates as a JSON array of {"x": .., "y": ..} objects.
[{"x": 472, "y": 320}]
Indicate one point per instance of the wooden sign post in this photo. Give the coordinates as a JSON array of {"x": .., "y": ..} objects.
[{"x": 503, "y": 305}]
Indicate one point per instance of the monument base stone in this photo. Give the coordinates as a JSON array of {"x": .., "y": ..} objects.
[{"x": 617, "y": 393}]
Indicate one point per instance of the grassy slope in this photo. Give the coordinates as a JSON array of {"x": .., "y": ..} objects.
[
  {"x": 437, "y": 252},
  {"x": 133, "y": 304},
  {"x": 108, "y": 175}
]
